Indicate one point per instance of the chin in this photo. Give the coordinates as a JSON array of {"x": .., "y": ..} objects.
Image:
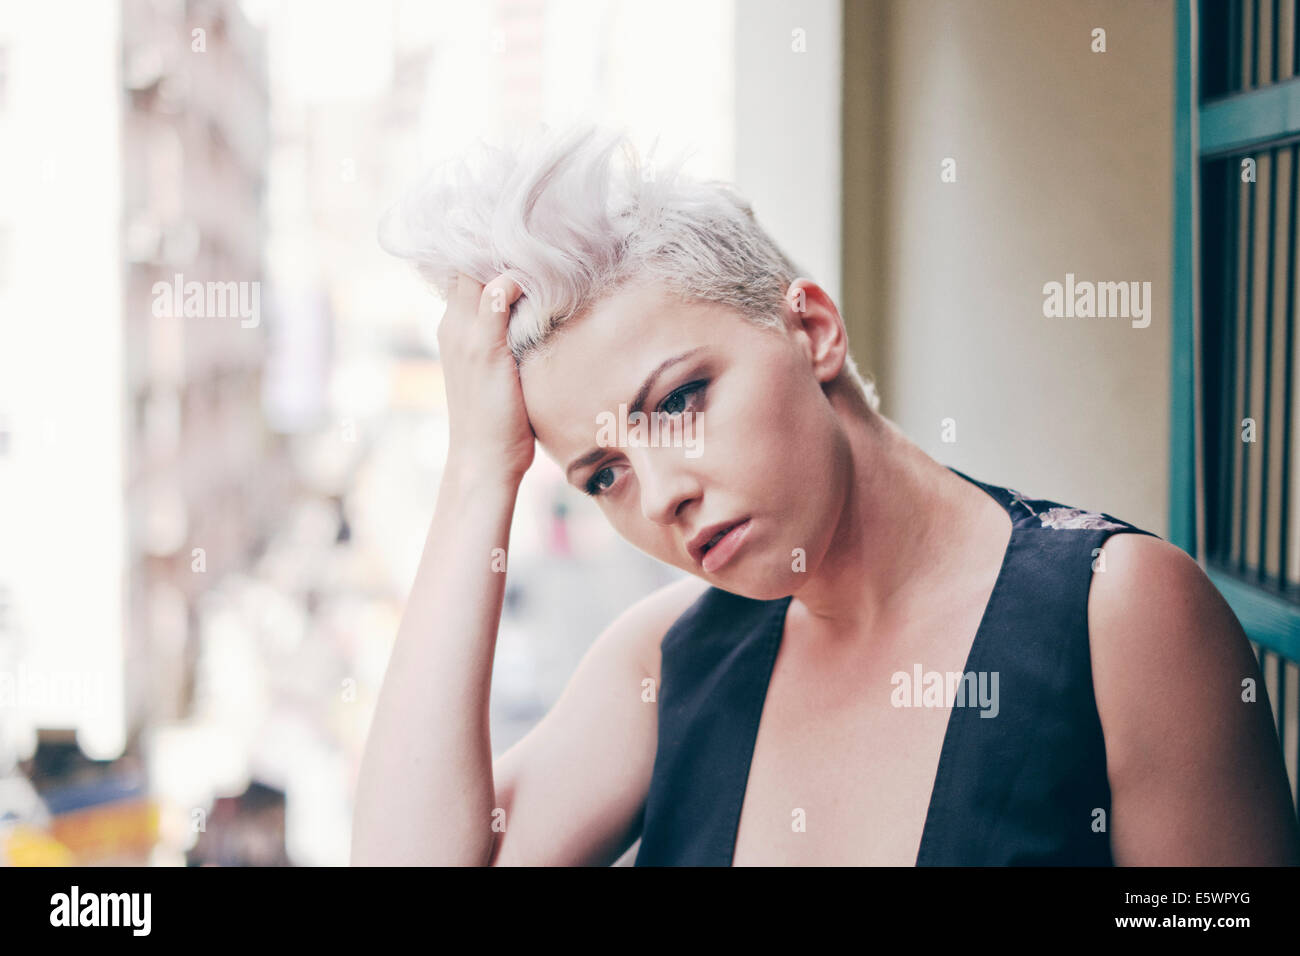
[{"x": 756, "y": 588}]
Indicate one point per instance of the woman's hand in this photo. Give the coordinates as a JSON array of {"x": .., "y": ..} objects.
[
  {"x": 440, "y": 672},
  {"x": 490, "y": 431}
]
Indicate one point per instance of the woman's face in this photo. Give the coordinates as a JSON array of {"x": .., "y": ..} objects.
[{"x": 751, "y": 433}]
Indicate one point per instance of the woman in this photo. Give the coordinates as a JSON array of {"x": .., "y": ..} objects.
[{"x": 881, "y": 661}]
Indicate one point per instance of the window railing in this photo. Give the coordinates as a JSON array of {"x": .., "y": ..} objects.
[{"x": 1235, "y": 477}]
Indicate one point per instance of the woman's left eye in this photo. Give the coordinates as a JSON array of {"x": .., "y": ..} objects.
[
  {"x": 680, "y": 396},
  {"x": 594, "y": 487},
  {"x": 673, "y": 406}
]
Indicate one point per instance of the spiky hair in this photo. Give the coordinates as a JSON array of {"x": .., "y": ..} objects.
[{"x": 573, "y": 215}]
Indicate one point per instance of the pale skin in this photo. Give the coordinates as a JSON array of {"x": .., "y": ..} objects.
[{"x": 901, "y": 555}]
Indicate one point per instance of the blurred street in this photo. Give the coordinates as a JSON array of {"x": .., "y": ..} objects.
[{"x": 221, "y": 405}]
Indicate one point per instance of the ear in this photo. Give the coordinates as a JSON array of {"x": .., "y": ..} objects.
[{"x": 811, "y": 316}]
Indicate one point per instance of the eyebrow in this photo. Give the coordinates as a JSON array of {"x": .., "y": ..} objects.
[{"x": 635, "y": 406}]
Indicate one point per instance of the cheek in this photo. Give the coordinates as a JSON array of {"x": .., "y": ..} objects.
[
  {"x": 786, "y": 426},
  {"x": 793, "y": 458},
  {"x": 646, "y": 536}
]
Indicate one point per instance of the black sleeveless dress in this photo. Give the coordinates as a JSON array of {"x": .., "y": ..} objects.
[{"x": 1028, "y": 787}]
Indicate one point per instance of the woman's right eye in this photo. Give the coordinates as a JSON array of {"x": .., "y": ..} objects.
[{"x": 594, "y": 486}]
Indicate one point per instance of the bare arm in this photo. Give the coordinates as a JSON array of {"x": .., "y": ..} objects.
[
  {"x": 572, "y": 791},
  {"x": 574, "y": 788},
  {"x": 424, "y": 795},
  {"x": 425, "y": 789},
  {"x": 1196, "y": 773}
]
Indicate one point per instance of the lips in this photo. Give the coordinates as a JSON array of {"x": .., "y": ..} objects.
[{"x": 702, "y": 542}]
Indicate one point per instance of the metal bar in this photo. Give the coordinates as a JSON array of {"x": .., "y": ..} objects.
[
  {"x": 1182, "y": 431},
  {"x": 1298, "y": 771},
  {"x": 1265, "y": 430},
  {"x": 1247, "y": 324},
  {"x": 1272, "y": 41},
  {"x": 1288, "y": 375},
  {"x": 1281, "y": 702},
  {"x": 1288, "y": 40},
  {"x": 1228, "y": 437},
  {"x": 1237, "y": 123},
  {"x": 1254, "y": 44},
  {"x": 1233, "y": 78},
  {"x": 1295, "y": 780},
  {"x": 1271, "y": 621}
]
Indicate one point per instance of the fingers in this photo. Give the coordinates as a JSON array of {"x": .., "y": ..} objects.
[
  {"x": 495, "y": 297},
  {"x": 466, "y": 293},
  {"x": 478, "y": 313},
  {"x": 499, "y": 294}
]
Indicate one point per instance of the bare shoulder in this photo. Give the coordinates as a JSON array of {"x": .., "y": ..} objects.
[
  {"x": 1151, "y": 604},
  {"x": 1191, "y": 750},
  {"x": 1148, "y": 569},
  {"x": 1156, "y": 622},
  {"x": 643, "y": 625}
]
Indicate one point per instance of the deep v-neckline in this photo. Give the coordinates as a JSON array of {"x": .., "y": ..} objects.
[{"x": 952, "y": 731}]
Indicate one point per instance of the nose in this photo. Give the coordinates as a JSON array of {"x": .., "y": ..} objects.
[{"x": 667, "y": 483}]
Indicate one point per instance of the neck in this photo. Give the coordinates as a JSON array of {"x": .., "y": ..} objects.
[{"x": 902, "y": 512}]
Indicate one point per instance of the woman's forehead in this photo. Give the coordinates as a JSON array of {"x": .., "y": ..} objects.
[{"x": 605, "y": 359}]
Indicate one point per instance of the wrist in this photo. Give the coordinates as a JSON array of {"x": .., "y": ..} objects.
[{"x": 470, "y": 473}]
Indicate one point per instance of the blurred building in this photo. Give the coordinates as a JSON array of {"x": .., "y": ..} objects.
[
  {"x": 63, "y": 547},
  {"x": 135, "y": 468},
  {"x": 205, "y": 477},
  {"x": 247, "y": 830},
  {"x": 100, "y": 812},
  {"x": 221, "y": 404}
]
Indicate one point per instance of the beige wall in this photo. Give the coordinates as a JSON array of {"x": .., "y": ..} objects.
[
  {"x": 1063, "y": 165},
  {"x": 788, "y": 90}
]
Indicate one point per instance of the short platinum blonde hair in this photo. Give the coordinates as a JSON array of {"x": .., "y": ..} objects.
[{"x": 560, "y": 214}]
